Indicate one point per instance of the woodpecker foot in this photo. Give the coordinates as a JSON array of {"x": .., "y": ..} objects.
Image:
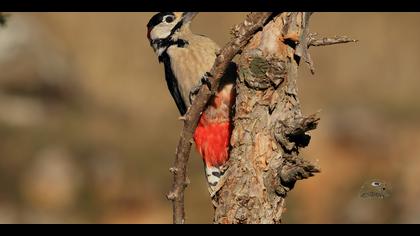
[
  {"x": 203, "y": 81},
  {"x": 194, "y": 91},
  {"x": 206, "y": 80}
]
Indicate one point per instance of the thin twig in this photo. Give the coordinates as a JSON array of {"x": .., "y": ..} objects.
[
  {"x": 330, "y": 41},
  {"x": 302, "y": 49},
  {"x": 243, "y": 33}
]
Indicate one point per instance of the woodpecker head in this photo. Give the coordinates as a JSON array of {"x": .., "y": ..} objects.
[{"x": 163, "y": 27}]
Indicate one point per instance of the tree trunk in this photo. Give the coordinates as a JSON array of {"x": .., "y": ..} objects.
[{"x": 269, "y": 128}]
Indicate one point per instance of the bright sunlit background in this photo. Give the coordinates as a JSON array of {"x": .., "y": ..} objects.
[{"x": 88, "y": 129}]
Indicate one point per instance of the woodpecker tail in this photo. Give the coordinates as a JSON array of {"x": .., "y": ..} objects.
[{"x": 213, "y": 175}]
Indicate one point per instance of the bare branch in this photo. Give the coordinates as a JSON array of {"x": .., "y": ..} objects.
[
  {"x": 302, "y": 47},
  {"x": 242, "y": 33},
  {"x": 330, "y": 41},
  {"x": 308, "y": 40}
]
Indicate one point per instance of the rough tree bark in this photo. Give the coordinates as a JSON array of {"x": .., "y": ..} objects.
[
  {"x": 253, "y": 23},
  {"x": 269, "y": 128}
]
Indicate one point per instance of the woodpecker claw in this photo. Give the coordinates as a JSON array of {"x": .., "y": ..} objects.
[
  {"x": 203, "y": 81},
  {"x": 194, "y": 91}
]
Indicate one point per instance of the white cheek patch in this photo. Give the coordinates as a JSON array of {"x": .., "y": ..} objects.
[{"x": 160, "y": 31}]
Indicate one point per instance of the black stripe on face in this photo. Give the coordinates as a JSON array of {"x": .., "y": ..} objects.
[
  {"x": 175, "y": 28},
  {"x": 167, "y": 42},
  {"x": 158, "y": 18}
]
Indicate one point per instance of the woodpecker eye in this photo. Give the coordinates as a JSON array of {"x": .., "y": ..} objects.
[{"x": 168, "y": 19}]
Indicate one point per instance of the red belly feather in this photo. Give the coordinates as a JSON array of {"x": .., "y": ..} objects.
[{"x": 212, "y": 141}]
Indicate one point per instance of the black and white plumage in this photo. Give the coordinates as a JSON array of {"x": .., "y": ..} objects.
[{"x": 186, "y": 56}]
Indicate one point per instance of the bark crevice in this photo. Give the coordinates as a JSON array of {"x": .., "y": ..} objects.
[{"x": 269, "y": 127}]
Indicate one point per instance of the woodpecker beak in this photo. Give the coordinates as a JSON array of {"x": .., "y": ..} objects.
[{"x": 188, "y": 16}]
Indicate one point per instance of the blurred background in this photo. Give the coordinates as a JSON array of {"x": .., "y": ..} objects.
[{"x": 88, "y": 129}]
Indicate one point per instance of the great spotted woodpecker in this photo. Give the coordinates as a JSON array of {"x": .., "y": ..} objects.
[{"x": 187, "y": 59}]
